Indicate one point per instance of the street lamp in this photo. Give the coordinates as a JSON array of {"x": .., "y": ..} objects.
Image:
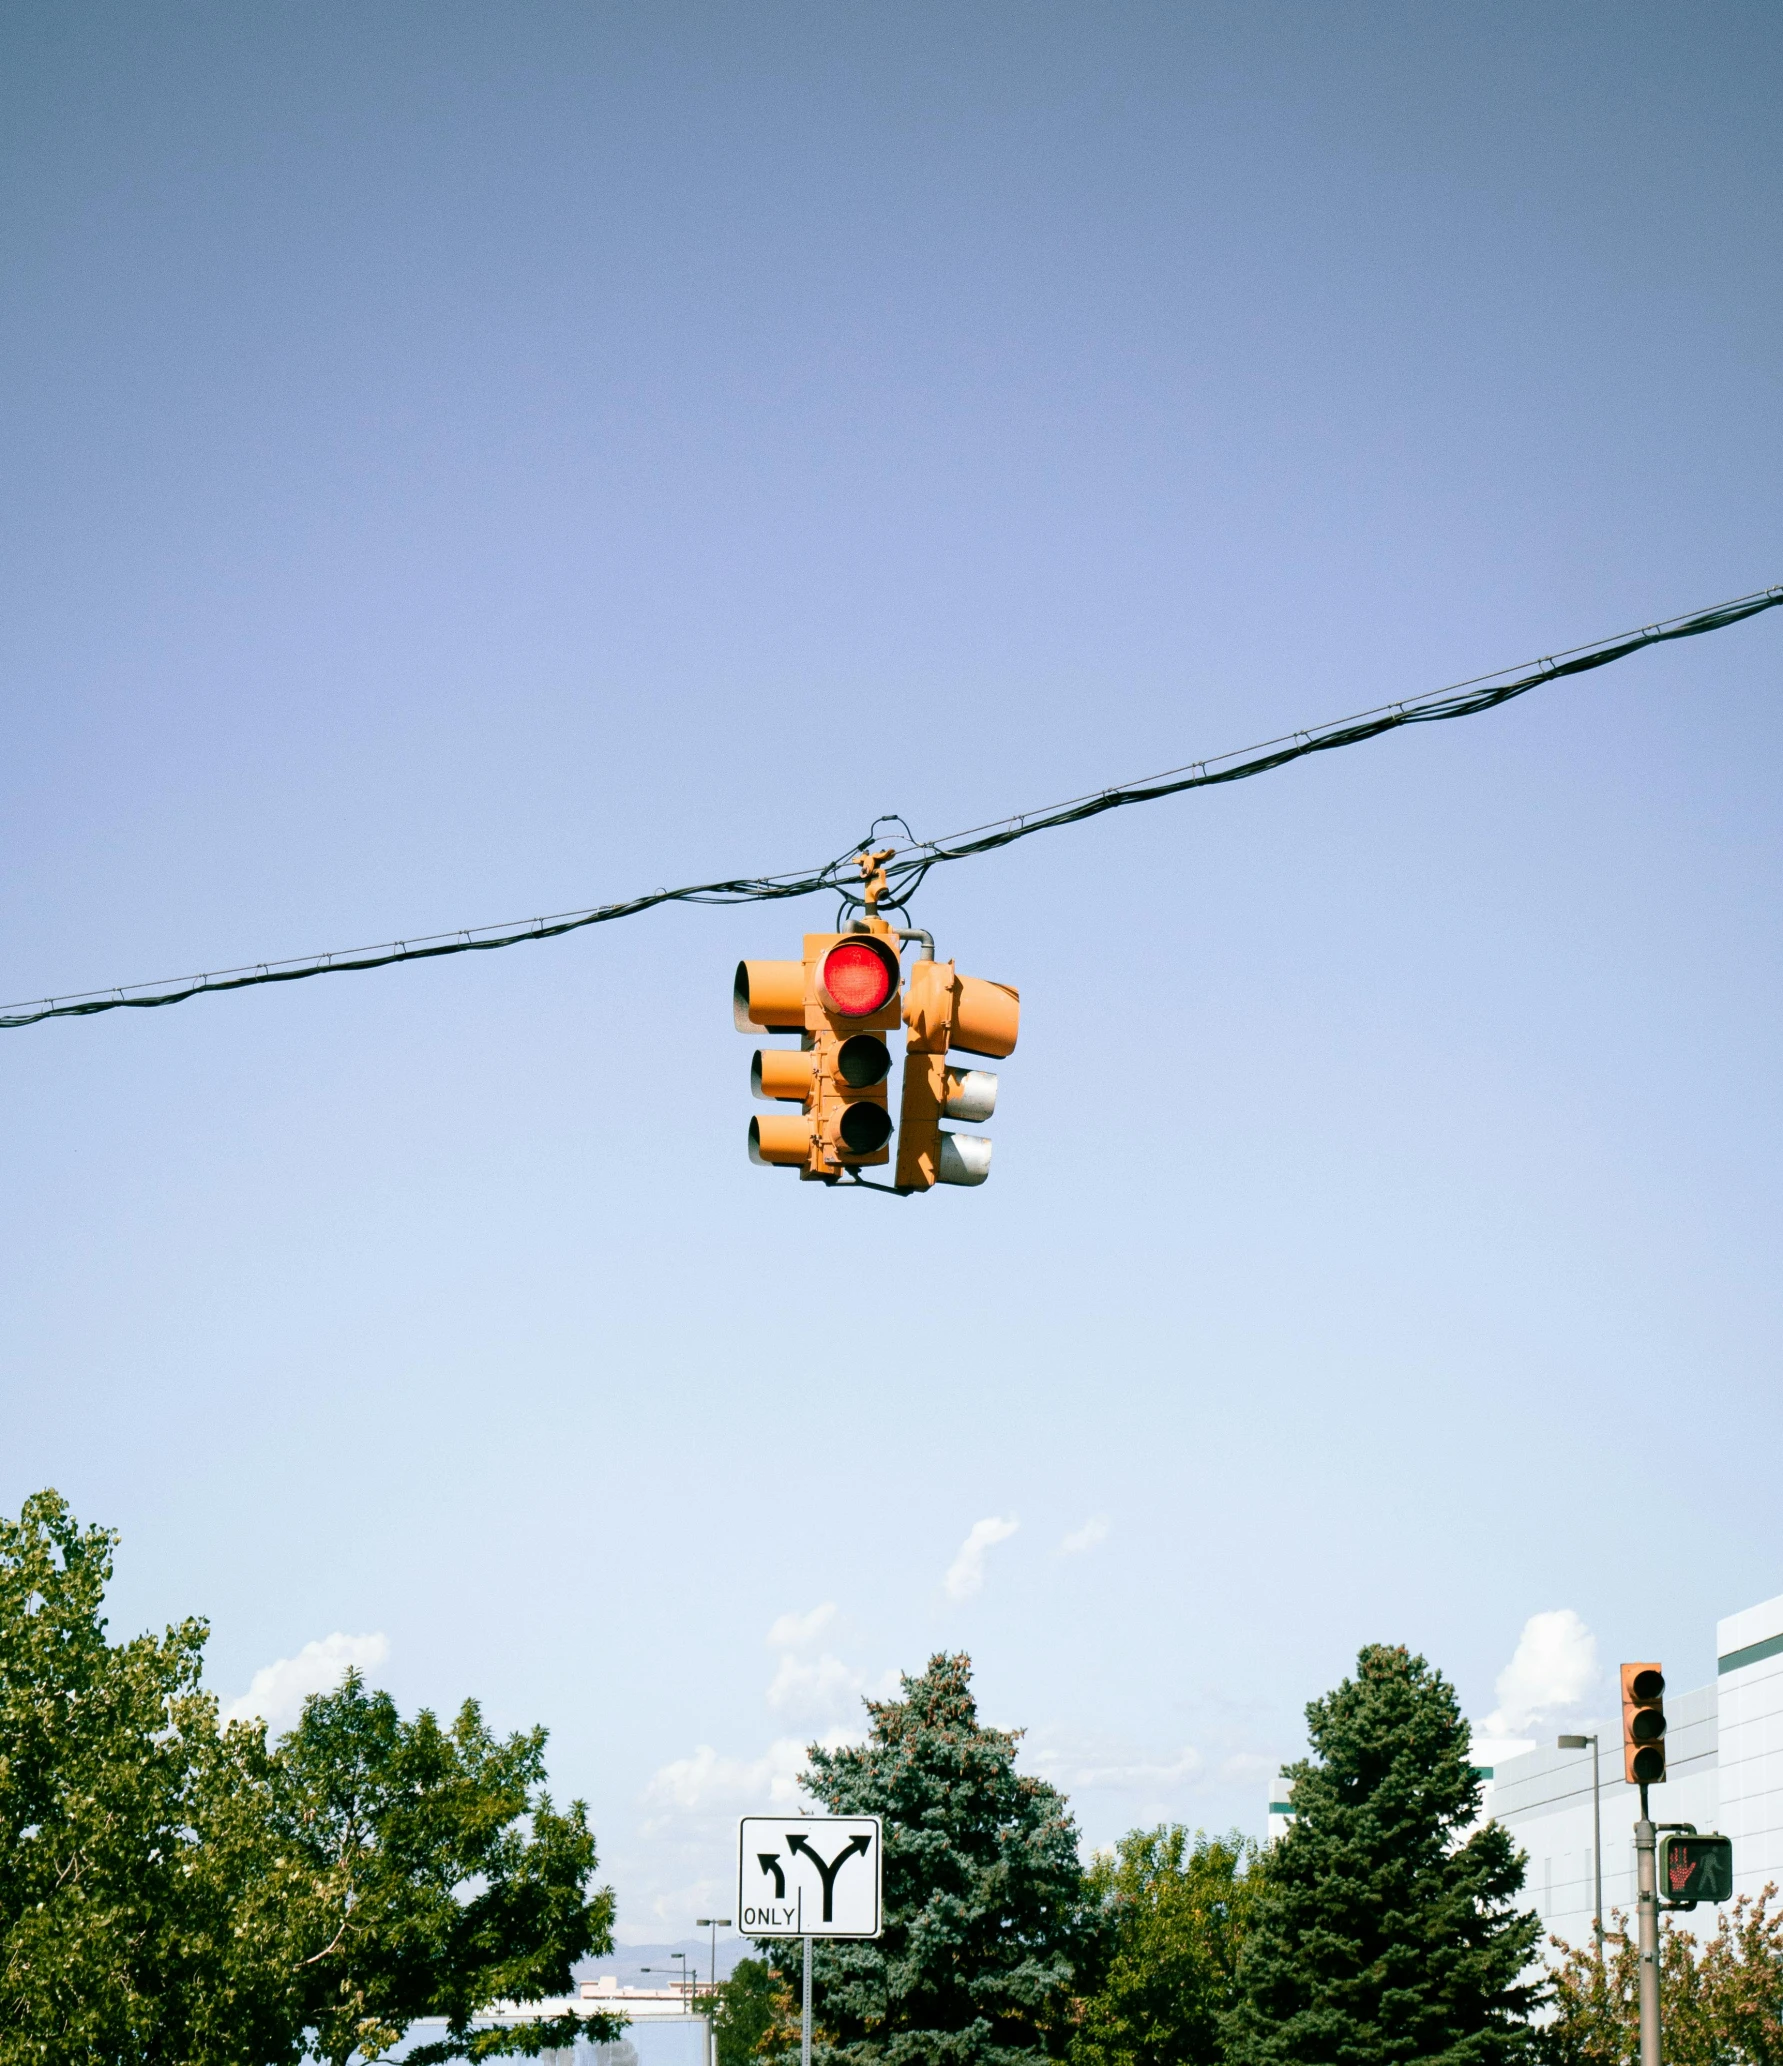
[
  {"x": 677, "y": 1973},
  {"x": 714, "y": 1923},
  {"x": 1579, "y": 1743}
]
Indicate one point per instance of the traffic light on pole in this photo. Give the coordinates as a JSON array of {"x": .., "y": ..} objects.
[
  {"x": 840, "y": 999},
  {"x": 1643, "y": 1724},
  {"x": 945, "y": 1011}
]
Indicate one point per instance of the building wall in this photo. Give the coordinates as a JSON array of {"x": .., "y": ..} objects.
[{"x": 1749, "y": 1679}]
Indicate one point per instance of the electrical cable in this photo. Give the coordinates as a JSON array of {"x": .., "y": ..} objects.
[{"x": 908, "y": 865}]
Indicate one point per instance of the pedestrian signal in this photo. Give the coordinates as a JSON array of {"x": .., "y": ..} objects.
[
  {"x": 1643, "y": 1724},
  {"x": 943, "y": 1012},
  {"x": 1695, "y": 1868}
]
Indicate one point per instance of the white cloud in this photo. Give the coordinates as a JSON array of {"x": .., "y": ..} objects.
[
  {"x": 1551, "y": 1673},
  {"x": 1080, "y": 1764},
  {"x": 709, "y": 1780},
  {"x": 965, "y": 1575},
  {"x": 815, "y": 1687},
  {"x": 278, "y": 1691},
  {"x": 800, "y": 1631},
  {"x": 1093, "y": 1531}
]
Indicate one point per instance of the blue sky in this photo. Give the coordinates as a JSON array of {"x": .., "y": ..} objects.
[{"x": 456, "y": 464}]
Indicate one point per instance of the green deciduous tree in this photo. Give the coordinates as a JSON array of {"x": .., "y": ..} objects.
[
  {"x": 1177, "y": 1913},
  {"x": 442, "y": 1878},
  {"x": 136, "y": 1856},
  {"x": 744, "y": 2009},
  {"x": 1385, "y": 1932},
  {"x": 989, "y": 1923},
  {"x": 174, "y": 1893},
  {"x": 1720, "y": 1997}
]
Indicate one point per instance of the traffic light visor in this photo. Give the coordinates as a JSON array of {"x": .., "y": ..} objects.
[
  {"x": 986, "y": 1018},
  {"x": 857, "y": 976},
  {"x": 780, "y": 1138},
  {"x": 781, "y": 1072},
  {"x": 769, "y": 996}
]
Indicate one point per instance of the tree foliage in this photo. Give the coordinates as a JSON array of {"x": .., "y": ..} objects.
[
  {"x": 1176, "y": 1913},
  {"x": 744, "y": 2008},
  {"x": 177, "y": 1893},
  {"x": 443, "y": 1879},
  {"x": 1385, "y": 1931},
  {"x": 989, "y": 1925},
  {"x": 1720, "y": 1998}
]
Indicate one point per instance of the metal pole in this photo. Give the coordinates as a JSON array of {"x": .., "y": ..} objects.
[
  {"x": 1597, "y": 1850},
  {"x": 1647, "y": 1909},
  {"x": 805, "y": 2027}
]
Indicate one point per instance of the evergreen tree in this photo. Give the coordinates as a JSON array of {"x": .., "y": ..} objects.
[
  {"x": 989, "y": 1926},
  {"x": 1177, "y": 1915},
  {"x": 1385, "y": 1933}
]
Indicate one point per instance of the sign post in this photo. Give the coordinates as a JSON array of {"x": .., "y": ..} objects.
[{"x": 809, "y": 1876}]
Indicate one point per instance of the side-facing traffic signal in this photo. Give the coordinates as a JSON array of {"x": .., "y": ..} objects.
[
  {"x": 840, "y": 999},
  {"x": 1643, "y": 1724},
  {"x": 944, "y": 1011}
]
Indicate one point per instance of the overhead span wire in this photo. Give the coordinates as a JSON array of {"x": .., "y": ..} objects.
[{"x": 910, "y": 863}]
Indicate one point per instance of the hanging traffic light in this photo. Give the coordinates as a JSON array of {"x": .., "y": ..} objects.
[
  {"x": 839, "y": 999},
  {"x": 1643, "y": 1724},
  {"x": 946, "y": 1011}
]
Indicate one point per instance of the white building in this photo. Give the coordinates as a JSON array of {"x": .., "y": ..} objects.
[
  {"x": 661, "y": 2026},
  {"x": 1724, "y": 1771}
]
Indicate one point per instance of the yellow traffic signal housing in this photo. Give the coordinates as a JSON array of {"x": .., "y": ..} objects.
[
  {"x": 840, "y": 999},
  {"x": 943, "y": 1011},
  {"x": 1643, "y": 1724}
]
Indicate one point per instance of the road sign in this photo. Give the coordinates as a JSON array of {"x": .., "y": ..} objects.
[{"x": 809, "y": 1875}]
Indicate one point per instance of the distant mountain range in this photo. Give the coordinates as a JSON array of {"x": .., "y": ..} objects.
[{"x": 654, "y": 1965}]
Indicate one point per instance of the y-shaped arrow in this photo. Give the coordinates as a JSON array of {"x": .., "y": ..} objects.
[{"x": 827, "y": 1873}]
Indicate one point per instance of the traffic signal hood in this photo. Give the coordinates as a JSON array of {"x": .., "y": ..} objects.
[{"x": 1643, "y": 1724}]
